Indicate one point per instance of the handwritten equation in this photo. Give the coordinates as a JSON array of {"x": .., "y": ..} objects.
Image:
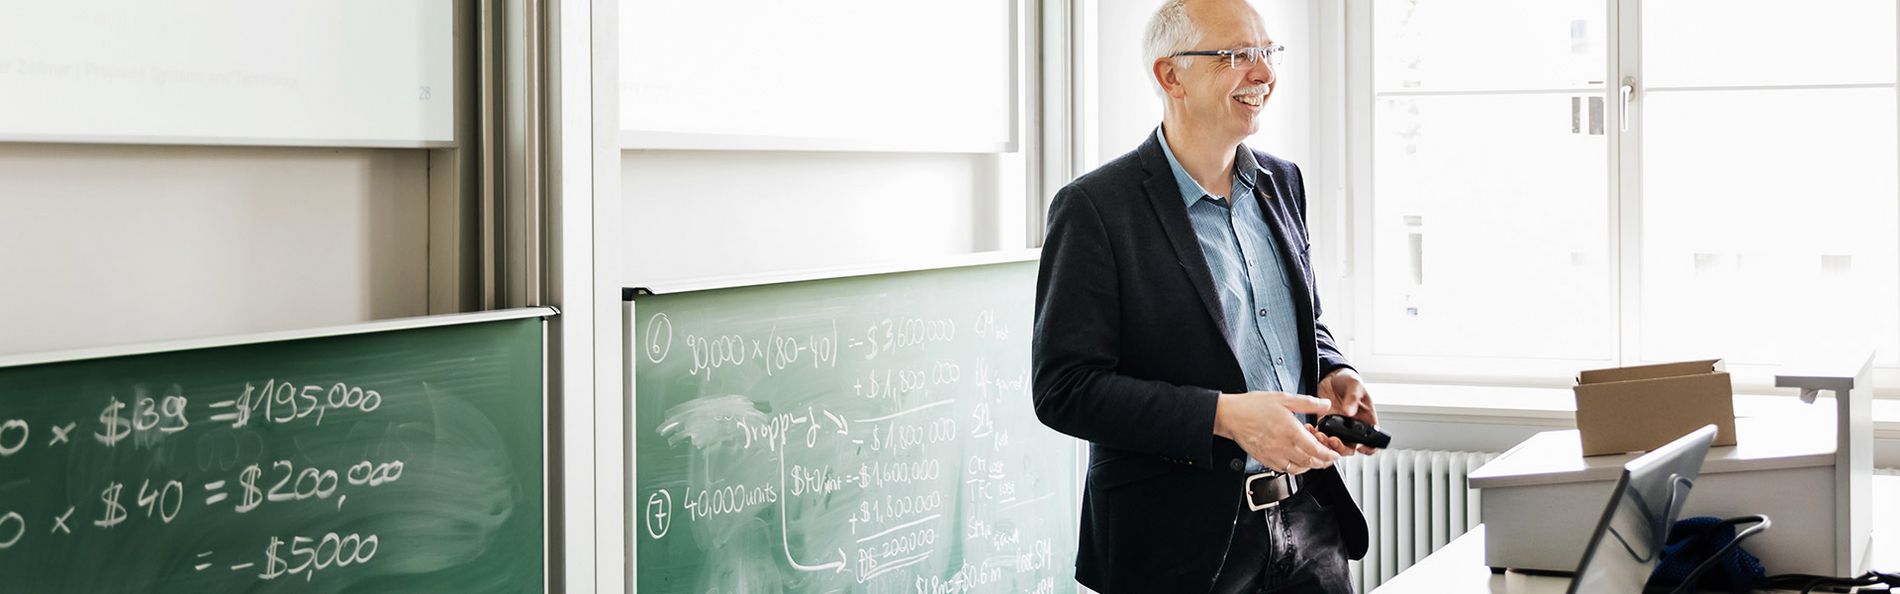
[
  {"x": 138, "y": 423},
  {"x": 882, "y": 453}
]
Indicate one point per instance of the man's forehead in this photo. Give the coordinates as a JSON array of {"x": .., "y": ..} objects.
[
  {"x": 1229, "y": 23},
  {"x": 1237, "y": 39}
]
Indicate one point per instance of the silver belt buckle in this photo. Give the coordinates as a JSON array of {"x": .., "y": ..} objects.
[{"x": 1269, "y": 476}]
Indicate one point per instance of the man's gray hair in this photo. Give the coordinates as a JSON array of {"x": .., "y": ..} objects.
[{"x": 1169, "y": 31}]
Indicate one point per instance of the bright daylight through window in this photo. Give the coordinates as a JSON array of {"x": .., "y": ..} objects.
[{"x": 1749, "y": 212}]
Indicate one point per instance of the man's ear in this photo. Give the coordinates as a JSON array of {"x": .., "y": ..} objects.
[{"x": 1168, "y": 74}]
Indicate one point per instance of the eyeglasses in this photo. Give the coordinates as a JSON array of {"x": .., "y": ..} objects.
[{"x": 1244, "y": 57}]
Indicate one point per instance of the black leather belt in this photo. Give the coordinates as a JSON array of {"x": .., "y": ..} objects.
[{"x": 1268, "y": 489}]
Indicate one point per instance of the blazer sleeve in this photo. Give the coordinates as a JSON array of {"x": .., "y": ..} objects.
[
  {"x": 1076, "y": 350},
  {"x": 1330, "y": 358}
]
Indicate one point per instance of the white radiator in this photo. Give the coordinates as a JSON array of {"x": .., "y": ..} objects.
[{"x": 1415, "y": 501}]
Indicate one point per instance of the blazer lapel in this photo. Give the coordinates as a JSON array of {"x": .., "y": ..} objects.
[
  {"x": 1296, "y": 275},
  {"x": 1165, "y": 196},
  {"x": 1289, "y": 253}
]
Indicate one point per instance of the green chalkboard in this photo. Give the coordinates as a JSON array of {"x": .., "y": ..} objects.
[
  {"x": 865, "y": 434},
  {"x": 394, "y": 461}
]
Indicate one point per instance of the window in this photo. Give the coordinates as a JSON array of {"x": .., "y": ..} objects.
[
  {"x": 1489, "y": 178},
  {"x": 1518, "y": 218}
]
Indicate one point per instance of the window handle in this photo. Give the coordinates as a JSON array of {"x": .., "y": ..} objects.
[{"x": 1623, "y": 109}]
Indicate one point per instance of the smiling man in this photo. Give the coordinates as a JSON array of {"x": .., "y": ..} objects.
[{"x": 1177, "y": 330}]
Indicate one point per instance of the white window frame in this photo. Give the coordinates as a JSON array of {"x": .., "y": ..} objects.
[{"x": 1347, "y": 28}]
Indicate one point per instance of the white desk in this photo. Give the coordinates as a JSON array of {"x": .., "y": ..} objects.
[{"x": 1460, "y": 568}]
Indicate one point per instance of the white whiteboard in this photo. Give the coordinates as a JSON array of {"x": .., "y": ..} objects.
[
  {"x": 306, "y": 72},
  {"x": 881, "y": 75}
]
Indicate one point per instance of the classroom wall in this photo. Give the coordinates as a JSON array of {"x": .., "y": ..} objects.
[
  {"x": 117, "y": 244},
  {"x": 702, "y": 214}
]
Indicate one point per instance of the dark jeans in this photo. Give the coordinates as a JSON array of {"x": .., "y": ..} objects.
[{"x": 1293, "y": 547}]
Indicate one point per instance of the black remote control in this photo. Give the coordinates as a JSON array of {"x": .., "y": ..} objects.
[{"x": 1354, "y": 431}]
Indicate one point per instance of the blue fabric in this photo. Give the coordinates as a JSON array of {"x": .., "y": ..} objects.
[
  {"x": 1691, "y": 541},
  {"x": 1249, "y": 273}
]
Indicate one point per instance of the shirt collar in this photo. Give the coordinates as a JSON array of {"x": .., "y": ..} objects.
[{"x": 1191, "y": 191}]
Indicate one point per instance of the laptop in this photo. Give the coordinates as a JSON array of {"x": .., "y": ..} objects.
[{"x": 1628, "y": 542}]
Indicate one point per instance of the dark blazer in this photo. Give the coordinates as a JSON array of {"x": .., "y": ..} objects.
[{"x": 1129, "y": 354}]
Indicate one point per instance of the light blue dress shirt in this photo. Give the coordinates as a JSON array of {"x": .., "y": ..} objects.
[{"x": 1255, "y": 295}]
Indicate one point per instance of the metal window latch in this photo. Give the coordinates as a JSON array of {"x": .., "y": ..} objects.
[{"x": 1628, "y": 94}]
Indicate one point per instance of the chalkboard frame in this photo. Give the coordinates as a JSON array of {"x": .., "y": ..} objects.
[
  {"x": 632, "y": 292},
  {"x": 522, "y": 370},
  {"x": 671, "y": 286},
  {"x": 23, "y": 359}
]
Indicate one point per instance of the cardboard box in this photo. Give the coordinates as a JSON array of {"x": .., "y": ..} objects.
[
  {"x": 1540, "y": 501},
  {"x": 1635, "y": 409}
]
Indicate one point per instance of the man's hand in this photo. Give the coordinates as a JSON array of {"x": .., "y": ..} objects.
[
  {"x": 1265, "y": 425},
  {"x": 1349, "y": 397}
]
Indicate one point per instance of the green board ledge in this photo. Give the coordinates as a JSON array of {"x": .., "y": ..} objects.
[
  {"x": 668, "y": 287},
  {"x": 389, "y": 325}
]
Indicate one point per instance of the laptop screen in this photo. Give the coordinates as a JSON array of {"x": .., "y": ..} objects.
[{"x": 1650, "y": 494}]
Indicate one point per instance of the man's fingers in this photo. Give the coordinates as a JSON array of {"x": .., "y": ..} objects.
[
  {"x": 1344, "y": 393},
  {"x": 1292, "y": 460},
  {"x": 1285, "y": 444},
  {"x": 1279, "y": 464},
  {"x": 1366, "y": 412},
  {"x": 1339, "y": 446},
  {"x": 1291, "y": 467},
  {"x": 1317, "y": 455},
  {"x": 1351, "y": 397},
  {"x": 1301, "y": 403},
  {"x": 1332, "y": 443},
  {"x": 1344, "y": 398}
]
